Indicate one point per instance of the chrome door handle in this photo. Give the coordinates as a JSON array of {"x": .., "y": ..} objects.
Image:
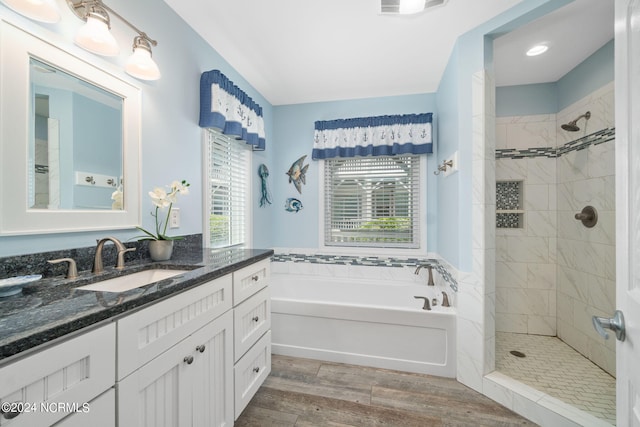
[{"x": 616, "y": 324}]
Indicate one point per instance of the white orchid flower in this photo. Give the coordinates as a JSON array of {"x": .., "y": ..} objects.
[
  {"x": 180, "y": 187},
  {"x": 118, "y": 200},
  {"x": 159, "y": 197}
]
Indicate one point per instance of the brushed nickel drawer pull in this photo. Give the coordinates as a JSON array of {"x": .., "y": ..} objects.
[
  {"x": 255, "y": 319},
  {"x": 201, "y": 348},
  {"x": 188, "y": 359},
  {"x": 255, "y": 278},
  {"x": 256, "y": 369}
]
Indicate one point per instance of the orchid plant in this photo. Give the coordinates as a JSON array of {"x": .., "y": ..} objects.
[{"x": 162, "y": 199}]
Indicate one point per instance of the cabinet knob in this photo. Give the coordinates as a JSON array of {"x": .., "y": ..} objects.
[
  {"x": 10, "y": 410},
  {"x": 256, "y": 369},
  {"x": 255, "y": 319},
  {"x": 201, "y": 348},
  {"x": 188, "y": 359},
  {"x": 255, "y": 278}
]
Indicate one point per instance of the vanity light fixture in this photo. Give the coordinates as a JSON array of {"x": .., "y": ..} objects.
[
  {"x": 38, "y": 10},
  {"x": 96, "y": 38},
  {"x": 140, "y": 64}
]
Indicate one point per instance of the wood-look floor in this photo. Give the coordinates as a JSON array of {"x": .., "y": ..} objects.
[{"x": 304, "y": 392}]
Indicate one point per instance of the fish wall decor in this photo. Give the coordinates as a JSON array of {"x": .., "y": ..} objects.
[
  {"x": 297, "y": 173},
  {"x": 265, "y": 194},
  {"x": 292, "y": 205}
]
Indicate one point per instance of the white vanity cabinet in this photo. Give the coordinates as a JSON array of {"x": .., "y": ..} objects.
[
  {"x": 189, "y": 360},
  {"x": 252, "y": 331},
  {"x": 176, "y": 360},
  {"x": 56, "y": 382}
]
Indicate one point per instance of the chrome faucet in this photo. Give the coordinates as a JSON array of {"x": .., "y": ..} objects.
[
  {"x": 120, "y": 247},
  {"x": 429, "y": 267}
]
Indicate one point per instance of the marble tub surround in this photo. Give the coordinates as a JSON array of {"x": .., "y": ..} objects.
[
  {"x": 36, "y": 263},
  {"x": 361, "y": 267},
  {"x": 53, "y": 308}
]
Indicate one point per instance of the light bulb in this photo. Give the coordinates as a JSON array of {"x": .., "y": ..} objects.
[
  {"x": 140, "y": 64},
  {"x": 95, "y": 37}
]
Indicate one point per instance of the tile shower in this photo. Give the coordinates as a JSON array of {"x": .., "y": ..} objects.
[{"x": 552, "y": 273}]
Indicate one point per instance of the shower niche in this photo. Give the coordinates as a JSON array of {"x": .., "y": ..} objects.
[{"x": 509, "y": 204}]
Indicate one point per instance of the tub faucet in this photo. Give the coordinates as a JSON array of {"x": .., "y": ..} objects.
[
  {"x": 429, "y": 267},
  {"x": 445, "y": 300},
  {"x": 120, "y": 247},
  {"x": 426, "y": 305}
]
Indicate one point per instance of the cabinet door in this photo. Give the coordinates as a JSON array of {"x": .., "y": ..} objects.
[
  {"x": 159, "y": 393},
  {"x": 189, "y": 385},
  {"x": 252, "y": 319},
  {"x": 251, "y": 371},
  {"x": 213, "y": 381},
  {"x": 100, "y": 412},
  {"x": 68, "y": 374},
  {"x": 250, "y": 279},
  {"x": 149, "y": 332}
]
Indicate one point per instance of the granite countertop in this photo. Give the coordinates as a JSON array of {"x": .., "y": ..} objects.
[{"x": 52, "y": 308}]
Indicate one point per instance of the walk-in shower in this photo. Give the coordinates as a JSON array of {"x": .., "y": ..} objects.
[{"x": 572, "y": 125}]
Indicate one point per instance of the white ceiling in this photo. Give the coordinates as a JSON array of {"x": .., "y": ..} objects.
[{"x": 295, "y": 51}]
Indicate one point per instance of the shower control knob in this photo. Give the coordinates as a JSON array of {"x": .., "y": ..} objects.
[
  {"x": 588, "y": 216},
  {"x": 616, "y": 324}
]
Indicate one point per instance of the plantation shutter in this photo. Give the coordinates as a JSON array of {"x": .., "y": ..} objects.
[
  {"x": 372, "y": 201},
  {"x": 228, "y": 191}
]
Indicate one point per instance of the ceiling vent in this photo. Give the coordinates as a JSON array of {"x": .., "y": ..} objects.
[{"x": 393, "y": 6}]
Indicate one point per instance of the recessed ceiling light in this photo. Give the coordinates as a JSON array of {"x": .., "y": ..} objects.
[{"x": 537, "y": 50}]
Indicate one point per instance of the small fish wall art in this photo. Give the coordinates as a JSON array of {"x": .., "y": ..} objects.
[
  {"x": 297, "y": 173},
  {"x": 292, "y": 205},
  {"x": 265, "y": 194}
]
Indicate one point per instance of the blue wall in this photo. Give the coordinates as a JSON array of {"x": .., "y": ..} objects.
[
  {"x": 294, "y": 129},
  {"x": 549, "y": 98},
  {"x": 171, "y": 138},
  {"x": 472, "y": 53}
]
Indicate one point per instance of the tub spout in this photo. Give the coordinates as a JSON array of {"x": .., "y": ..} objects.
[
  {"x": 445, "y": 300},
  {"x": 429, "y": 267},
  {"x": 426, "y": 305}
]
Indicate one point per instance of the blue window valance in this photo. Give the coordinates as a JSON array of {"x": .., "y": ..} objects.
[
  {"x": 225, "y": 107},
  {"x": 373, "y": 136}
]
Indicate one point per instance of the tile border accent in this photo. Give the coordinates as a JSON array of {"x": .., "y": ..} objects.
[
  {"x": 369, "y": 261},
  {"x": 595, "y": 138}
]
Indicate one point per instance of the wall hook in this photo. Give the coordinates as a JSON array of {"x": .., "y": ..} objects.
[{"x": 443, "y": 167}]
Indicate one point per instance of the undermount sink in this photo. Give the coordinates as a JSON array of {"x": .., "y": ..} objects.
[{"x": 132, "y": 281}]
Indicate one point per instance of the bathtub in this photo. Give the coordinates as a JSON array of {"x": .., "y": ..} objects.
[{"x": 363, "y": 322}]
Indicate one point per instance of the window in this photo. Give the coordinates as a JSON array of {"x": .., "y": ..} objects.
[
  {"x": 372, "y": 201},
  {"x": 227, "y": 207}
]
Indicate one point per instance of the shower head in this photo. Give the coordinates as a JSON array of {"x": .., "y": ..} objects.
[{"x": 572, "y": 126}]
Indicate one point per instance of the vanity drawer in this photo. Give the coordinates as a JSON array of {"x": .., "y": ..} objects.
[
  {"x": 251, "y": 371},
  {"x": 251, "y": 319},
  {"x": 249, "y": 280},
  {"x": 147, "y": 333},
  {"x": 70, "y": 373}
]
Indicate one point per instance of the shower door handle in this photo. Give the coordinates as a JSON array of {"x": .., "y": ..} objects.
[{"x": 615, "y": 323}]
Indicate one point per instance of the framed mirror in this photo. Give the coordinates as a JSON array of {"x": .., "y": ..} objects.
[{"x": 70, "y": 143}]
